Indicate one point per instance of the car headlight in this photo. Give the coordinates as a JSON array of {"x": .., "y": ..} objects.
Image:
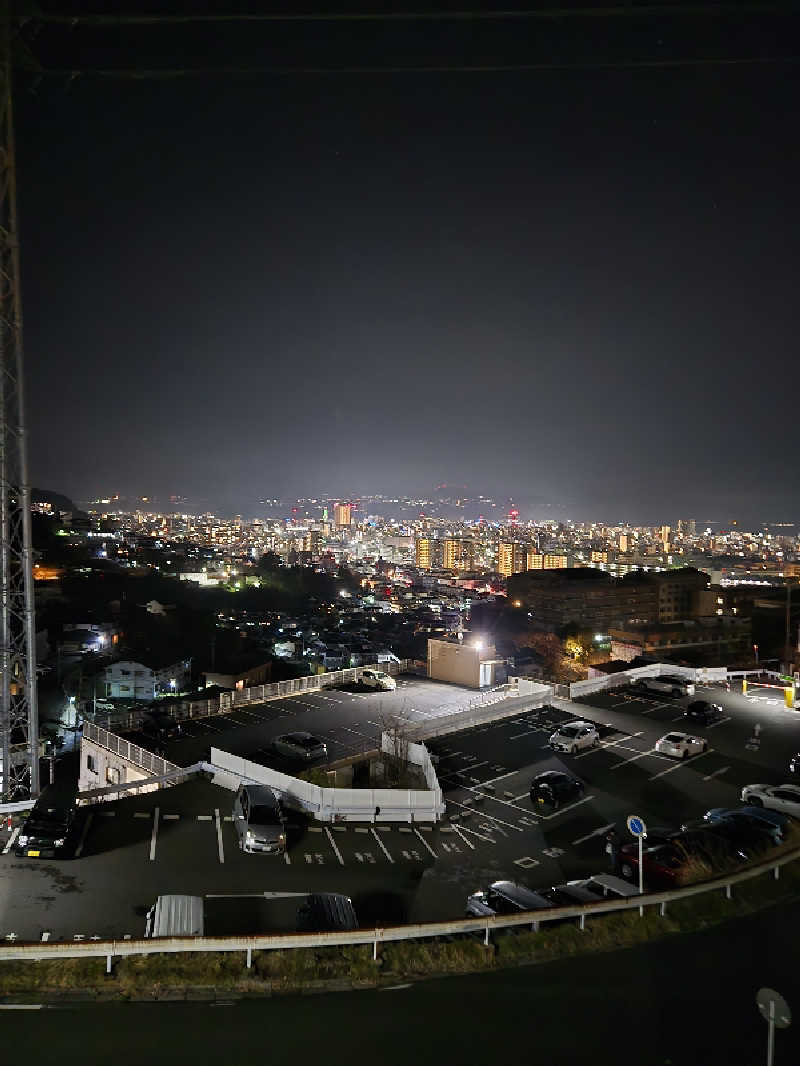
[
  {"x": 60, "y": 842},
  {"x": 22, "y": 841}
]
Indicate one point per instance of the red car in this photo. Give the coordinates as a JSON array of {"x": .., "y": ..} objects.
[{"x": 662, "y": 864}]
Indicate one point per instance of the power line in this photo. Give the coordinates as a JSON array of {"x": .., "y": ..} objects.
[
  {"x": 616, "y": 11},
  {"x": 439, "y": 68}
]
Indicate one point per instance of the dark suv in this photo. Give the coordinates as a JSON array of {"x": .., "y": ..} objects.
[
  {"x": 159, "y": 725},
  {"x": 45, "y": 832}
]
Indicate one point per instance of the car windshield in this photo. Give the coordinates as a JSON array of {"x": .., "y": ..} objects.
[
  {"x": 263, "y": 815},
  {"x": 673, "y": 738},
  {"x": 570, "y": 730},
  {"x": 307, "y": 742}
]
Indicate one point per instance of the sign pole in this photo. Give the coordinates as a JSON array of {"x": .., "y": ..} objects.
[
  {"x": 637, "y": 827},
  {"x": 776, "y": 1013}
]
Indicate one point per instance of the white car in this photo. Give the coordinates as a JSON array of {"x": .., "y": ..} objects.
[
  {"x": 785, "y": 798},
  {"x": 666, "y": 685},
  {"x": 378, "y": 679},
  {"x": 681, "y": 745},
  {"x": 573, "y": 736}
]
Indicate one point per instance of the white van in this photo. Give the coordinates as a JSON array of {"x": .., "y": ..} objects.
[
  {"x": 175, "y": 916},
  {"x": 666, "y": 685}
]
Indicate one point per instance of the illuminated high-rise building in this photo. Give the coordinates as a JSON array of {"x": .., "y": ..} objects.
[
  {"x": 424, "y": 552},
  {"x": 342, "y": 514},
  {"x": 547, "y": 561}
]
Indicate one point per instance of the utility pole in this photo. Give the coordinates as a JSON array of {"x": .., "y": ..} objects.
[
  {"x": 788, "y": 642},
  {"x": 19, "y": 720}
]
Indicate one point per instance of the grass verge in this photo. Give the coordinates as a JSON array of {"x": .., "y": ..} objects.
[{"x": 314, "y": 969}]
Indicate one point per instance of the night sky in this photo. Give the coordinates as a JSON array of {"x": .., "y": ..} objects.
[{"x": 577, "y": 287}]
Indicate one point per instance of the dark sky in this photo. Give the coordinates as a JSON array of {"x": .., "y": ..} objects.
[{"x": 577, "y": 287}]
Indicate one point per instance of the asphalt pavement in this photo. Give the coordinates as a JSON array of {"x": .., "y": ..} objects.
[
  {"x": 181, "y": 840},
  {"x": 678, "y": 1002}
]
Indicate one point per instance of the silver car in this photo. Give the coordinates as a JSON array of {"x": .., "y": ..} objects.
[
  {"x": 258, "y": 819},
  {"x": 303, "y": 746}
]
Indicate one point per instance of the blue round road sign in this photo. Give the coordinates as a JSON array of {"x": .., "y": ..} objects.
[{"x": 637, "y": 826}]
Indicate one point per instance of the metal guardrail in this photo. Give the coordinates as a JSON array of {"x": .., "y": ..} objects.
[
  {"x": 185, "y": 710},
  {"x": 155, "y": 765},
  {"x": 426, "y": 931}
]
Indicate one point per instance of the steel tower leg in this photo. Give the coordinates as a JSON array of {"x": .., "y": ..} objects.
[{"x": 19, "y": 720}]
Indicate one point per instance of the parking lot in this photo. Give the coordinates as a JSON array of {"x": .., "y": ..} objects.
[
  {"x": 349, "y": 720},
  {"x": 182, "y": 840}
]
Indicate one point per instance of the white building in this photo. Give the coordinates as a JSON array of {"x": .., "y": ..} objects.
[{"x": 137, "y": 681}]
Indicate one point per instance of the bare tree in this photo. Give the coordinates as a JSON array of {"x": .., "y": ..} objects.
[{"x": 396, "y": 728}]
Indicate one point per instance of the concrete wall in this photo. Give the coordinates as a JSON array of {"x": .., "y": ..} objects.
[
  {"x": 108, "y": 769},
  {"x": 459, "y": 664}
]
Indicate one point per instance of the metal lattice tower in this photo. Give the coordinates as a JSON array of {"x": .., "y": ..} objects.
[{"x": 19, "y": 725}]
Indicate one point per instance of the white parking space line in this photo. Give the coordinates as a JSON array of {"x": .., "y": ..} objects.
[
  {"x": 594, "y": 833},
  {"x": 483, "y": 814},
  {"x": 633, "y": 758},
  {"x": 220, "y": 846},
  {"x": 425, "y": 842},
  {"x": 84, "y": 832},
  {"x": 11, "y": 840},
  {"x": 329, "y": 835},
  {"x": 716, "y": 773},
  {"x": 170, "y": 817},
  {"x": 480, "y": 836},
  {"x": 721, "y": 721},
  {"x": 659, "y": 707},
  {"x": 141, "y": 814},
  {"x": 380, "y": 845},
  {"x": 154, "y": 836},
  {"x": 563, "y": 810},
  {"x": 683, "y": 762},
  {"x": 202, "y": 817},
  {"x": 527, "y": 733},
  {"x": 469, "y": 843},
  {"x": 608, "y": 744},
  {"x": 286, "y": 858}
]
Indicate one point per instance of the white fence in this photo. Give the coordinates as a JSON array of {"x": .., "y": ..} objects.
[
  {"x": 155, "y": 765},
  {"x": 491, "y": 707},
  {"x": 229, "y": 701},
  {"x": 626, "y": 677},
  {"x": 110, "y": 949},
  {"x": 336, "y": 805}
]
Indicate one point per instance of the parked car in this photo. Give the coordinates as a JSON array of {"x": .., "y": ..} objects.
[
  {"x": 702, "y": 712},
  {"x": 574, "y": 736},
  {"x": 45, "y": 832},
  {"x": 158, "y": 725},
  {"x": 259, "y": 821},
  {"x": 304, "y": 746},
  {"x": 378, "y": 679},
  {"x": 666, "y": 685},
  {"x": 785, "y": 798},
  {"x": 505, "y": 897},
  {"x": 555, "y": 787},
  {"x": 748, "y": 839},
  {"x": 681, "y": 745},
  {"x": 665, "y": 860},
  {"x": 326, "y": 912},
  {"x": 776, "y": 824},
  {"x": 662, "y": 864},
  {"x": 570, "y": 893}
]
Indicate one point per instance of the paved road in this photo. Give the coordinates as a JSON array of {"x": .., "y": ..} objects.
[{"x": 679, "y": 1002}]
